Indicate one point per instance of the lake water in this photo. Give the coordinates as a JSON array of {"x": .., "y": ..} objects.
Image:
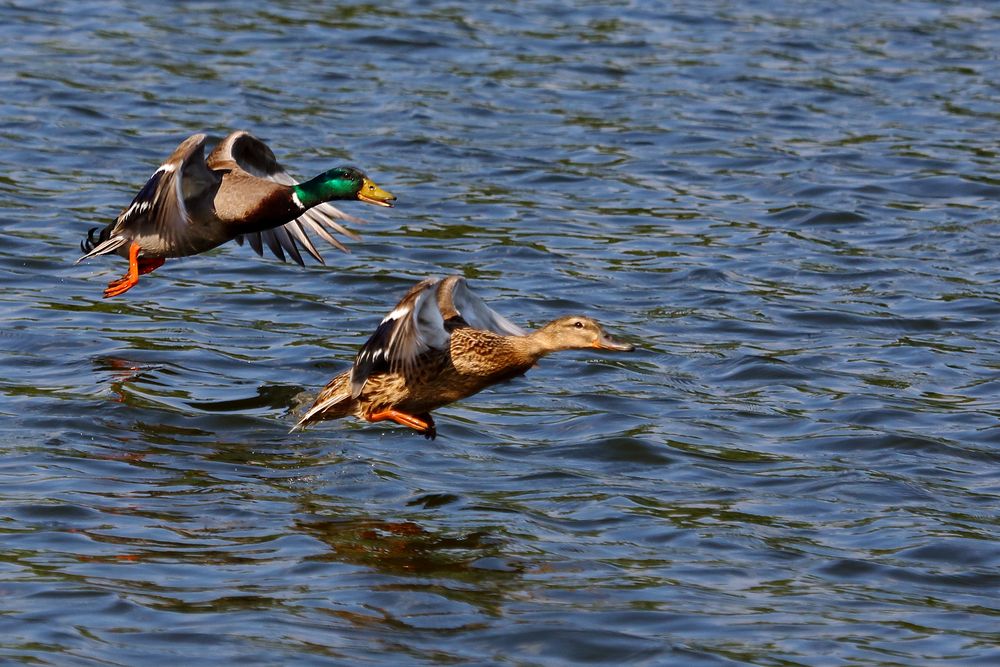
[{"x": 790, "y": 208}]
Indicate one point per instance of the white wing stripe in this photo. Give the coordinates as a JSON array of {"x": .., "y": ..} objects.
[
  {"x": 417, "y": 325},
  {"x": 400, "y": 311}
]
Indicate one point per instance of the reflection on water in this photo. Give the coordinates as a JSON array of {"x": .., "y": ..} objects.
[{"x": 789, "y": 208}]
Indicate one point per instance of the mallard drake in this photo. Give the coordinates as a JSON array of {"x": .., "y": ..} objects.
[
  {"x": 440, "y": 344},
  {"x": 190, "y": 205}
]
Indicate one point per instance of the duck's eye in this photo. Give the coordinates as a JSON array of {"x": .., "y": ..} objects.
[{"x": 578, "y": 324}]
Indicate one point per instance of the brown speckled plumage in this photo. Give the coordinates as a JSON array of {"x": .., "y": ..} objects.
[{"x": 468, "y": 360}]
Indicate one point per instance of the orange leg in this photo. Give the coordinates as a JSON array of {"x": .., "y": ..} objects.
[
  {"x": 416, "y": 423},
  {"x": 131, "y": 277},
  {"x": 136, "y": 267}
]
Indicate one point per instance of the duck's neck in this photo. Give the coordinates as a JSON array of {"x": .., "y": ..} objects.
[
  {"x": 322, "y": 189},
  {"x": 533, "y": 347}
]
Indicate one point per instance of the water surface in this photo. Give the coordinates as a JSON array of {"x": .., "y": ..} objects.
[{"x": 790, "y": 208}]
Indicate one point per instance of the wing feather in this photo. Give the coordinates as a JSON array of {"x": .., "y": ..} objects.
[
  {"x": 243, "y": 150},
  {"x": 295, "y": 230},
  {"x": 422, "y": 322},
  {"x": 414, "y": 327},
  {"x": 159, "y": 210},
  {"x": 255, "y": 242},
  {"x": 456, "y": 299},
  {"x": 317, "y": 226},
  {"x": 288, "y": 243},
  {"x": 273, "y": 243}
]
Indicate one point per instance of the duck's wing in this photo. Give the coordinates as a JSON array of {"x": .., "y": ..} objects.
[
  {"x": 161, "y": 207},
  {"x": 244, "y": 151},
  {"x": 421, "y": 322},
  {"x": 459, "y": 305},
  {"x": 414, "y": 326}
]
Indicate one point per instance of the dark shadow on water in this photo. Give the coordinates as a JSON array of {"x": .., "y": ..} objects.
[
  {"x": 405, "y": 547},
  {"x": 268, "y": 396},
  {"x": 464, "y": 564}
]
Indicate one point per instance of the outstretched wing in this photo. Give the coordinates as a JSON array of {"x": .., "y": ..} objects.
[
  {"x": 455, "y": 299},
  {"x": 244, "y": 151},
  {"x": 159, "y": 209},
  {"x": 423, "y": 321},
  {"x": 413, "y": 327}
]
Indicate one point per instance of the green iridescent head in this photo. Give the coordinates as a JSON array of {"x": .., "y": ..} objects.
[{"x": 342, "y": 183}]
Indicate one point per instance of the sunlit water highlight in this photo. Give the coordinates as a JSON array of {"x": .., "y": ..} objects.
[{"x": 791, "y": 208}]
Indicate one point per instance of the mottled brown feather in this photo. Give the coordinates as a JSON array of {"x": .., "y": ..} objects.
[{"x": 475, "y": 359}]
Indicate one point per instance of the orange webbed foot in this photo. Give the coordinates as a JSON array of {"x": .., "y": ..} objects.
[
  {"x": 136, "y": 267},
  {"x": 131, "y": 277},
  {"x": 120, "y": 286},
  {"x": 416, "y": 423}
]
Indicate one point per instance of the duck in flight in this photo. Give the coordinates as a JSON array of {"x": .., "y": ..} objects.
[
  {"x": 440, "y": 344},
  {"x": 190, "y": 205}
]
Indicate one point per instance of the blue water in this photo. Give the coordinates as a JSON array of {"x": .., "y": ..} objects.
[{"x": 790, "y": 208}]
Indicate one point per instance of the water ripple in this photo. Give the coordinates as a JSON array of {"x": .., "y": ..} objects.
[{"x": 790, "y": 210}]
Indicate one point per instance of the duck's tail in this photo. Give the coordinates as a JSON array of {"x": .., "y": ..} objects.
[
  {"x": 332, "y": 403},
  {"x": 100, "y": 242}
]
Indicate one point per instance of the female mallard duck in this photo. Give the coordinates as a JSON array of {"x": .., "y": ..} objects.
[
  {"x": 441, "y": 344},
  {"x": 190, "y": 205}
]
